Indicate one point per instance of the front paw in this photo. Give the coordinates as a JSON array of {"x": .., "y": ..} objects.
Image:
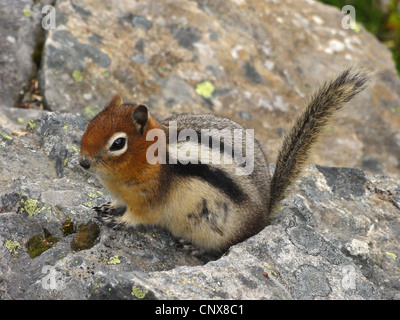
[{"x": 110, "y": 215}]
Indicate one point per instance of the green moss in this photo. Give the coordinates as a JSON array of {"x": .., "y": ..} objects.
[
  {"x": 12, "y": 246},
  {"x": 37, "y": 244},
  {"x": 68, "y": 227},
  {"x": 86, "y": 237},
  {"x": 49, "y": 237}
]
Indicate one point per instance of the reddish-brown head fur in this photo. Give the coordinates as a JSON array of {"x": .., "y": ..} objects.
[{"x": 130, "y": 123}]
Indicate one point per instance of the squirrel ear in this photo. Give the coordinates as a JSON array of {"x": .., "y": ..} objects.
[
  {"x": 140, "y": 117},
  {"x": 116, "y": 101}
]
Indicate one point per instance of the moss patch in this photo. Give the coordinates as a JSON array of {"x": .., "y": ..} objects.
[
  {"x": 37, "y": 244},
  {"x": 68, "y": 227},
  {"x": 86, "y": 237}
]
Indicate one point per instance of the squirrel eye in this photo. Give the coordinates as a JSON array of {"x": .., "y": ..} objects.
[{"x": 118, "y": 144}]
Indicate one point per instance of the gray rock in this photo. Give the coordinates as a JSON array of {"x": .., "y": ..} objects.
[
  {"x": 344, "y": 182},
  {"x": 266, "y": 57},
  {"x": 320, "y": 245},
  {"x": 140, "y": 22},
  {"x": 68, "y": 52},
  {"x": 19, "y": 30},
  {"x": 186, "y": 36}
]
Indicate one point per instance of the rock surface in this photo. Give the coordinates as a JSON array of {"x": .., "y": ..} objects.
[
  {"x": 20, "y": 32},
  {"x": 336, "y": 237}
]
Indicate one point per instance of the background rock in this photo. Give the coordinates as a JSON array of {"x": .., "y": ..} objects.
[
  {"x": 261, "y": 59},
  {"x": 16, "y": 119}
]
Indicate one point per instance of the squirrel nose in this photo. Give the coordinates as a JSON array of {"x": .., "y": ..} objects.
[{"x": 84, "y": 162}]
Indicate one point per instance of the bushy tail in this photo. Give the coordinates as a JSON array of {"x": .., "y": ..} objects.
[{"x": 307, "y": 128}]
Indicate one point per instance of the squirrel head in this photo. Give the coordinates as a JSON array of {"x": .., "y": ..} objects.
[{"x": 114, "y": 144}]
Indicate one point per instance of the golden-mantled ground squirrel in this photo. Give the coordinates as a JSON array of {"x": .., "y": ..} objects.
[{"x": 202, "y": 177}]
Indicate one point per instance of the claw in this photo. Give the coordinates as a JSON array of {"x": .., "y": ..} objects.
[{"x": 109, "y": 215}]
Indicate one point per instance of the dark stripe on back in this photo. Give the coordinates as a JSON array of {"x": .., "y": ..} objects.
[
  {"x": 223, "y": 148},
  {"x": 214, "y": 176}
]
